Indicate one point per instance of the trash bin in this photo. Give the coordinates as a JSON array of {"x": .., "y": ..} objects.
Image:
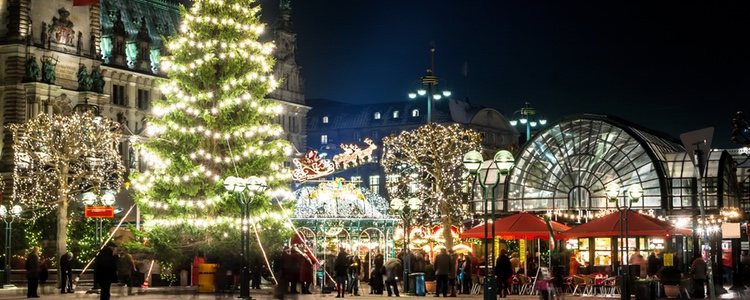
[
  {"x": 206, "y": 278},
  {"x": 417, "y": 284},
  {"x": 645, "y": 290}
]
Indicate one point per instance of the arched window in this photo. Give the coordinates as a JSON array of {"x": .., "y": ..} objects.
[
  {"x": 415, "y": 113},
  {"x": 395, "y": 114},
  {"x": 376, "y": 115}
]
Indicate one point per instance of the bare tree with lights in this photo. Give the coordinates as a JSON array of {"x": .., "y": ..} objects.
[
  {"x": 428, "y": 164},
  {"x": 58, "y": 157}
]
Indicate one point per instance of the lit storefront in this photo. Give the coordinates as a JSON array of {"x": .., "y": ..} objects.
[{"x": 565, "y": 170}]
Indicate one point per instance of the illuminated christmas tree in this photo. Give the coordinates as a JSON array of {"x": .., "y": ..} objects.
[
  {"x": 427, "y": 163},
  {"x": 57, "y": 158},
  {"x": 214, "y": 123}
]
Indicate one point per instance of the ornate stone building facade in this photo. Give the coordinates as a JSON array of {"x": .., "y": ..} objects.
[{"x": 55, "y": 55}]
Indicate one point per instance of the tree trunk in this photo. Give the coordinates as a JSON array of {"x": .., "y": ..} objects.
[
  {"x": 447, "y": 233},
  {"x": 62, "y": 218}
]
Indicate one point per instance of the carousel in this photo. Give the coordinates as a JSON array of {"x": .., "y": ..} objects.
[{"x": 339, "y": 214}]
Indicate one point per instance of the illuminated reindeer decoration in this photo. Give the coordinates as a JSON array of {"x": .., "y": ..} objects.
[{"x": 353, "y": 156}]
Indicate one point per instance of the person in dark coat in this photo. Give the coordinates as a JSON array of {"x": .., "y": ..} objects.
[
  {"x": 655, "y": 263},
  {"x": 341, "y": 266},
  {"x": 105, "y": 271},
  {"x": 393, "y": 269},
  {"x": 355, "y": 266},
  {"x": 376, "y": 276},
  {"x": 698, "y": 273},
  {"x": 32, "y": 273},
  {"x": 306, "y": 272},
  {"x": 291, "y": 269},
  {"x": 466, "y": 270},
  {"x": 503, "y": 271},
  {"x": 66, "y": 261},
  {"x": 125, "y": 270},
  {"x": 278, "y": 270},
  {"x": 442, "y": 271}
]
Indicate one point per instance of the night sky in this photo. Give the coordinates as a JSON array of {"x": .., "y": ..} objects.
[{"x": 672, "y": 66}]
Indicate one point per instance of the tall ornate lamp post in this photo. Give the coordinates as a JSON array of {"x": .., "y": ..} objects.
[
  {"x": 632, "y": 195},
  {"x": 503, "y": 163},
  {"x": 528, "y": 118},
  {"x": 255, "y": 186},
  {"x": 406, "y": 210},
  {"x": 428, "y": 87},
  {"x": 8, "y": 217}
]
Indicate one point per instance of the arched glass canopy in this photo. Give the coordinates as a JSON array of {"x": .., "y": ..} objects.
[{"x": 569, "y": 166}]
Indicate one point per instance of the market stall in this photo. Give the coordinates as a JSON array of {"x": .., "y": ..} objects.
[{"x": 599, "y": 242}]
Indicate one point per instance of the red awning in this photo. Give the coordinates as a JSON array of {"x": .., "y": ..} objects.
[
  {"x": 638, "y": 225},
  {"x": 519, "y": 226}
]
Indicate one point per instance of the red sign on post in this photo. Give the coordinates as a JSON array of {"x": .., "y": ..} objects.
[{"x": 99, "y": 212}]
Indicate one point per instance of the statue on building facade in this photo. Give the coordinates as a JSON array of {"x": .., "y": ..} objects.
[
  {"x": 84, "y": 80},
  {"x": 92, "y": 45},
  {"x": 32, "y": 70},
  {"x": 45, "y": 36},
  {"x": 29, "y": 34},
  {"x": 48, "y": 69},
  {"x": 62, "y": 29},
  {"x": 97, "y": 80},
  {"x": 79, "y": 44},
  {"x": 740, "y": 130}
]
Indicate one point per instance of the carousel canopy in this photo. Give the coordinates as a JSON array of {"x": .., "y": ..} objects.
[
  {"x": 522, "y": 225},
  {"x": 339, "y": 200},
  {"x": 638, "y": 225}
]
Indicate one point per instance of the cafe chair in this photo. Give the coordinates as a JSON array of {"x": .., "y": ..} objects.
[{"x": 611, "y": 286}]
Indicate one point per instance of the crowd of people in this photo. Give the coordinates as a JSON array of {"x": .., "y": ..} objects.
[{"x": 109, "y": 267}]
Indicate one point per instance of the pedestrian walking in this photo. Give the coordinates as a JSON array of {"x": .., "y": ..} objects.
[
  {"x": 376, "y": 277},
  {"x": 355, "y": 266},
  {"x": 503, "y": 271},
  {"x": 306, "y": 273},
  {"x": 393, "y": 269},
  {"x": 698, "y": 273},
  {"x": 278, "y": 269},
  {"x": 291, "y": 269},
  {"x": 341, "y": 266},
  {"x": 105, "y": 271},
  {"x": 32, "y": 273},
  {"x": 442, "y": 271},
  {"x": 125, "y": 270},
  {"x": 466, "y": 274},
  {"x": 66, "y": 269}
]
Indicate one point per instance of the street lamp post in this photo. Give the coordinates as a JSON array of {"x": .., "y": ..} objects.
[
  {"x": 632, "y": 195},
  {"x": 503, "y": 162},
  {"x": 406, "y": 211},
  {"x": 528, "y": 118},
  {"x": 8, "y": 217},
  {"x": 428, "y": 87},
  {"x": 255, "y": 186}
]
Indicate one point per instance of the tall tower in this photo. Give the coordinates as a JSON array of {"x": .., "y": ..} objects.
[{"x": 291, "y": 93}]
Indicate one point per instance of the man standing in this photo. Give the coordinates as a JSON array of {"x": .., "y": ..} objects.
[
  {"x": 392, "y": 271},
  {"x": 32, "y": 273},
  {"x": 698, "y": 272},
  {"x": 442, "y": 270},
  {"x": 66, "y": 261},
  {"x": 504, "y": 271},
  {"x": 105, "y": 271},
  {"x": 341, "y": 266},
  {"x": 354, "y": 268}
]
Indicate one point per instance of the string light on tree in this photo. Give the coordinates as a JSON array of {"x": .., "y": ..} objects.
[
  {"x": 215, "y": 122},
  {"x": 428, "y": 164},
  {"x": 58, "y": 157}
]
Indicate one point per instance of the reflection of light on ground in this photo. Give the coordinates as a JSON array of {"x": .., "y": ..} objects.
[{"x": 734, "y": 294}]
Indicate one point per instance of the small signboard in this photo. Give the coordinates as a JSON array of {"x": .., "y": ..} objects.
[{"x": 99, "y": 212}]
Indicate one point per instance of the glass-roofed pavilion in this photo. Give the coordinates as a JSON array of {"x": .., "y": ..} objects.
[{"x": 569, "y": 165}]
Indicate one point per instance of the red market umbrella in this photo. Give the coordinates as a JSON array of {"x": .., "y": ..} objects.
[
  {"x": 522, "y": 225},
  {"x": 638, "y": 225}
]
